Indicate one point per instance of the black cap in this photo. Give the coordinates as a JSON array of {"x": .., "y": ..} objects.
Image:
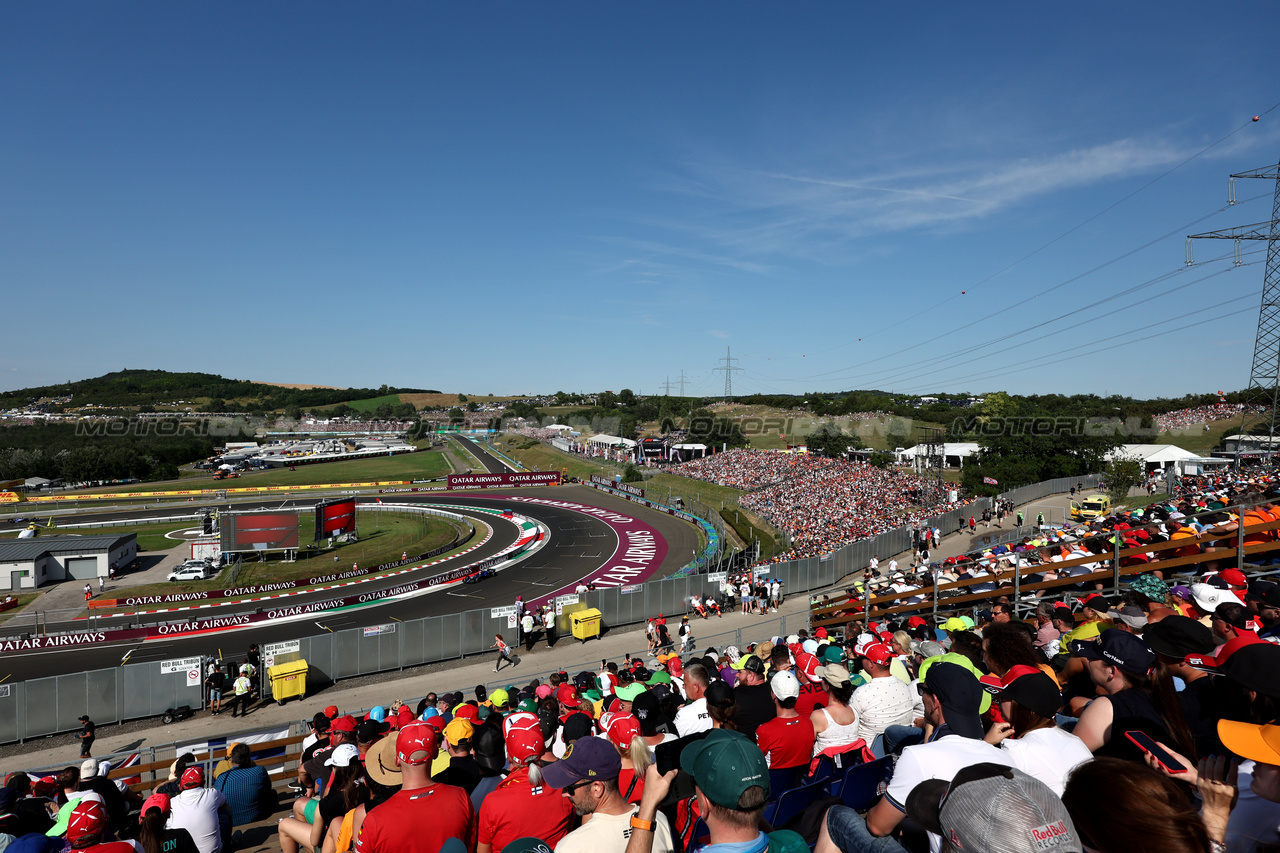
[
  {"x": 960, "y": 694},
  {"x": 583, "y": 680},
  {"x": 1265, "y": 592},
  {"x": 647, "y": 712},
  {"x": 1118, "y": 648},
  {"x": 642, "y": 674},
  {"x": 1179, "y": 636},
  {"x": 1256, "y": 666},
  {"x": 1036, "y": 692},
  {"x": 753, "y": 664},
  {"x": 367, "y": 731},
  {"x": 577, "y": 725},
  {"x": 490, "y": 750},
  {"x": 319, "y": 722}
]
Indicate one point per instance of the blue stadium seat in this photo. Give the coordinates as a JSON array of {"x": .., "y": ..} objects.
[{"x": 862, "y": 783}]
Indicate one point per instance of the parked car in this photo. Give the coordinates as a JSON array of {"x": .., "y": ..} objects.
[{"x": 192, "y": 572}]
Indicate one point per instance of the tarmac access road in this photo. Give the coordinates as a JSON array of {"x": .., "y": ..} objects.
[
  {"x": 579, "y": 544},
  {"x": 491, "y": 463}
]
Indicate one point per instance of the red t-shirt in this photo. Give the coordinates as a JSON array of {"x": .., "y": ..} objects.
[
  {"x": 624, "y": 782},
  {"x": 516, "y": 810},
  {"x": 421, "y": 819},
  {"x": 786, "y": 741},
  {"x": 812, "y": 696}
]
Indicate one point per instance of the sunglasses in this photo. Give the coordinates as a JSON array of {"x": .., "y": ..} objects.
[{"x": 569, "y": 789}]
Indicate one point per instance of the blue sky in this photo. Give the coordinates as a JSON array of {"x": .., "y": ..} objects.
[{"x": 519, "y": 197}]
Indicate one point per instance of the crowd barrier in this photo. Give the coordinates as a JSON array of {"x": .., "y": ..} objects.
[{"x": 142, "y": 690}]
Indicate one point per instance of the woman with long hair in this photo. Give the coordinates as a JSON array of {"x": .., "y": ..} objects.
[
  {"x": 623, "y": 731},
  {"x": 1120, "y": 806},
  {"x": 835, "y": 725},
  {"x": 1029, "y": 703},
  {"x": 1139, "y": 696},
  {"x": 152, "y": 834},
  {"x": 310, "y": 832},
  {"x": 504, "y": 652},
  {"x": 722, "y": 706}
]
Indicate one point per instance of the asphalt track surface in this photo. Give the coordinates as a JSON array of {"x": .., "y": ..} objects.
[
  {"x": 492, "y": 464},
  {"x": 578, "y": 545}
]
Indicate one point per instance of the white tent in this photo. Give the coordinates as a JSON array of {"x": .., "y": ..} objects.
[
  {"x": 1153, "y": 456},
  {"x": 953, "y": 454}
]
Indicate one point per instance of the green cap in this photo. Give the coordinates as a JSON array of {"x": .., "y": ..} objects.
[
  {"x": 527, "y": 845},
  {"x": 723, "y": 765},
  {"x": 832, "y": 654},
  {"x": 593, "y": 695},
  {"x": 660, "y": 678},
  {"x": 530, "y": 705},
  {"x": 629, "y": 692},
  {"x": 961, "y": 661}
]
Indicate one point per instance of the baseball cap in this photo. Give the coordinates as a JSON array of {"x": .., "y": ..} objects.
[
  {"x": 629, "y": 692},
  {"x": 1207, "y": 598},
  {"x": 345, "y": 723},
  {"x": 1179, "y": 636},
  {"x": 960, "y": 694},
  {"x": 832, "y": 654},
  {"x": 1264, "y": 591},
  {"x": 542, "y": 691},
  {"x": 566, "y": 695},
  {"x": 1120, "y": 649},
  {"x": 416, "y": 744},
  {"x": 724, "y": 765},
  {"x": 88, "y": 819},
  {"x": 1035, "y": 691},
  {"x": 645, "y": 707},
  {"x": 467, "y": 711},
  {"x": 1256, "y": 666},
  {"x": 192, "y": 777},
  {"x": 527, "y": 845},
  {"x": 621, "y": 729},
  {"x": 155, "y": 801},
  {"x": 490, "y": 750},
  {"x": 331, "y": 711},
  {"x": 367, "y": 731},
  {"x": 1225, "y": 653},
  {"x": 577, "y": 725},
  {"x": 877, "y": 653},
  {"x": 750, "y": 663},
  {"x": 342, "y": 755},
  {"x": 1129, "y": 615},
  {"x": 1251, "y": 741},
  {"x": 380, "y": 762},
  {"x": 588, "y": 759},
  {"x": 499, "y": 698},
  {"x": 89, "y": 768},
  {"x": 377, "y": 712},
  {"x": 995, "y": 809},
  {"x": 1234, "y": 577},
  {"x": 522, "y": 734},
  {"x": 458, "y": 730},
  {"x": 785, "y": 686},
  {"x": 320, "y": 723},
  {"x": 916, "y": 622},
  {"x": 955, "y": 623},
  {"x": 1096, "y": 601}
]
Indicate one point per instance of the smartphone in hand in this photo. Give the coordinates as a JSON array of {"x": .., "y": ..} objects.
[{"x": 1144, "y": 742}]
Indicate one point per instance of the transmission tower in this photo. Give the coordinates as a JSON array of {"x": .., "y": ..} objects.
[
  {"x": 682, "y": 383},
  {"x": 728, "y": 369},
  {"x": 1264, "y": 375},
  {"x": 666, "y": 387}
]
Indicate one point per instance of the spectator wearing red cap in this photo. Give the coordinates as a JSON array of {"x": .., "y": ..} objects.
[
  {"x": 152, "y": 833},
  {"x": 883, "y": 701},
  {"x": 424, "y": 814},
  {"x": 314, "y": 774},
  {"x": 523, "y": 805},
  {"x": 87, "y": 827},
  {"x": 201, "y": 811},
  {"x": 623, "y": 731}
]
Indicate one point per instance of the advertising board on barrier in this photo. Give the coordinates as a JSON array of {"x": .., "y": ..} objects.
[
  {"x": 484, "y": 481},
  {"x": 617, "y": 484}
]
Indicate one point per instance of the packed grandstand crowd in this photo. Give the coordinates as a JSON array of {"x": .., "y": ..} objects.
[
  {"x": 842, "y": 502},
  {"x": 1093, "y": 729},
  {"x": 1184, "y": 418},
  {"x": 749, "y": 469}
]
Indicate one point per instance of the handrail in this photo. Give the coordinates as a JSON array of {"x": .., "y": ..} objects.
[{"x": 1114, "y": 572}]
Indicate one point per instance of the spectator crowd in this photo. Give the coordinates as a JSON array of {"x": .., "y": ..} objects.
[{"x": 1185, "y": 418}]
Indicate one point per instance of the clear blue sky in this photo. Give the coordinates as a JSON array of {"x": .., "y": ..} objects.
[{"x": 531, "y": 197}]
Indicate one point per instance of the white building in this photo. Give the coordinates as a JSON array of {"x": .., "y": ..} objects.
[{"x": 27, "y": 563}]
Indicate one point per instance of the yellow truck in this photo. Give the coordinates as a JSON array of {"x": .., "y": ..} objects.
[{"x": 1094, "y": 506}]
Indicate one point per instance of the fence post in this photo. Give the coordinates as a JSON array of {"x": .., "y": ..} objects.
[
  {"x": 935, "y": 597},
  {"x": 1240, "y": 543},
  {"x": 1115, "y": 567}
]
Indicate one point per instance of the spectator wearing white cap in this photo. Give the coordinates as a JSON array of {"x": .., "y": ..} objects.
[
  {"x": 787, "y": 739},
  {"x": 92, "y": 780}
]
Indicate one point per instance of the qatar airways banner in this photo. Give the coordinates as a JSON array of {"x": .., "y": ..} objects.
[{"x": 485, "y": 481}]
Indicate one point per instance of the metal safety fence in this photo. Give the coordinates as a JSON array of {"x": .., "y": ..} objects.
[{"x": 46, "y": 706}]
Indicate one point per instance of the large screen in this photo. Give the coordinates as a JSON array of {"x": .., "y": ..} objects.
[
  {"x": 258, "y": 531},
  {"x": 334, "y": 518}
]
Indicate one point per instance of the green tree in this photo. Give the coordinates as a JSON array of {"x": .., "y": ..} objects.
[
  {"x": 462, "y": 398},
  {"x": 626, "y": 397},
  {"x": 456, "y": 415},
  {"x": 881, "y": 459},
  {"x": 217, "y": 404},
  {"x": 1122, "y": 474},
  {"x": 631, "y": 474},
  {"x": 830, "y": 441}
]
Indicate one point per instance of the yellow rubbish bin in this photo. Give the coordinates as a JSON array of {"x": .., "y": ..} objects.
[
  {"x": 288, "y": 680},
  {"x": 586, "y": 623}
]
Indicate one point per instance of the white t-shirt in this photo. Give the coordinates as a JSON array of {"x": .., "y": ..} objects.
[
  {"x": 940, "y": 759},
  {"x": 1048, "y": 754},
  {"x": 609, "y": 833},
  {"x": 693, "y": 718},
  {"x": 880, "y": 703},
  {"x": 196, "y": 811}
]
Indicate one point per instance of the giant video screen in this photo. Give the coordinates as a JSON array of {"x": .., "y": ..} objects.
[
  {"x": 334, "y": 518},
  {"x": 258, "y": 531}
]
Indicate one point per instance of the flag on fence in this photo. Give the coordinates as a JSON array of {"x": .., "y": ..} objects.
[
  {"x": 991, "y": 481},
  {"x": 132, "y": 761}
]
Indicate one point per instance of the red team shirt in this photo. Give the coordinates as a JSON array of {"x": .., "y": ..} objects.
[
  {"x": 516, "y": 810},
  {"x": 786, "y": 742},
  {"x": 419, "y": 819}
]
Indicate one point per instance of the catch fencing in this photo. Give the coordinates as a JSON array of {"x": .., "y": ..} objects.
[{"x": 46, "y": 706}]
